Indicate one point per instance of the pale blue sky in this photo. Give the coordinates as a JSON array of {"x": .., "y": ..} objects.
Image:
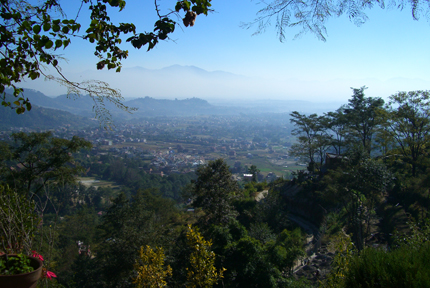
[{"x": 390, "y": 45}]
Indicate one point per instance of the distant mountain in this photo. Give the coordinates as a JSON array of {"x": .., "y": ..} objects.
[
  {"x": 147, "y": 106},
  {"x": 82, "y": 106},
  {"x": 188, "y": 107},
  {"x": 151, "y": 107},
  {"x": 42, "y": 118}
]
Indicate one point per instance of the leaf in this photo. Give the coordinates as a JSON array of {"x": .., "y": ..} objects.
[
  {"x": 36, "y": 29},
  {"x": 58, "y": 43},
  {"x": 49, "y": 44},
  {"x": 46, "y": 27},
  {"x": 55, "y": 28}
]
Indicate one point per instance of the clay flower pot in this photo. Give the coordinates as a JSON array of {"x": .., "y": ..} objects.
[{"x": 26, "y": 280}]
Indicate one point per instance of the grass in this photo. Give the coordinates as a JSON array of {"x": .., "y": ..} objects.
[{"x": 93, "y": 182}]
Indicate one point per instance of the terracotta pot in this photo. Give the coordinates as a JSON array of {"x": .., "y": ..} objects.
[{"x": 26, "y": 280}]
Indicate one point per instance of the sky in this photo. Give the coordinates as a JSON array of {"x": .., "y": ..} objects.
[{"x": 388, "y": 53}]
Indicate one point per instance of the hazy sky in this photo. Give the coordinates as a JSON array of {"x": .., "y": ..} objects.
[{"x": 390, "y": 52}]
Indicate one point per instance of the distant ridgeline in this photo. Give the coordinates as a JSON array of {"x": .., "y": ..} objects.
[
  {"x": 40, "y": 117},
  {"x": 147, "y": 107}
]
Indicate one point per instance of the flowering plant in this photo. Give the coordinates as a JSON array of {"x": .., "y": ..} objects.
[
  {"x": 45, "y": 272},
  {"x": 17, "y": 226}
]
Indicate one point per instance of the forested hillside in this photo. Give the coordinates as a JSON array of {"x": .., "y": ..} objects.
[{"x": 356, "y": 217}]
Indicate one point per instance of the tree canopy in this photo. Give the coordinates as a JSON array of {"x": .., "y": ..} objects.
[
  {"x": 214, "y": 191},
  {"x": 36, "y": 159}
]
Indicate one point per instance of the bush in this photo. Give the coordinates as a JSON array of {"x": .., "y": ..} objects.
[{"x": 404, "y": 267}]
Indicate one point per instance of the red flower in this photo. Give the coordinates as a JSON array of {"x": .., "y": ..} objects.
[
  {"x": 50, "y": 274},
  {"x": 37, "y": 255}
]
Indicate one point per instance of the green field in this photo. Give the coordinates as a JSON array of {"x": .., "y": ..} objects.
[{"x": 93, "y": 182}]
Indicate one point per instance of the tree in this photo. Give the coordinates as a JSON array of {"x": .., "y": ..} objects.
[
  {"x": 214, "y": 191},
  {"x": 32, "y": 34},
  {"x": 128, "y": 225},
  {"x": 254, "y": 171},
  {"x": 362, "y": 116},
  {"x": 358, "y": 186},
  {"x": 36, "y": 159},
  {"x": 409, "y": 124},
  {"x": 201, "y": 271},
  {"x": 336, "y": 122},
  {"x": 150, "y": 268},
  {"x": 313, "y": 141},
  {"x": 312, "y": 16}
]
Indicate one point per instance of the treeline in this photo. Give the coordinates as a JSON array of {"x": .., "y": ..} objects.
[
  {"x": 134, "y": 173},
  {"x": 367, "y": 173},
  {"x": 398, "y": 130}
]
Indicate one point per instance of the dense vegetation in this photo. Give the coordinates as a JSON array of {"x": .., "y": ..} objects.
[{"x": 366, "y": 178}]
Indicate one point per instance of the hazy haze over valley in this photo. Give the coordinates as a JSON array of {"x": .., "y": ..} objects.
[{"x": 226, "y": 88}]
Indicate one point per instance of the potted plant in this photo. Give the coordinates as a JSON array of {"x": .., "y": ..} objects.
[
  {"x": 19, "y": 270},
  {"x": 18, "y": 222}
]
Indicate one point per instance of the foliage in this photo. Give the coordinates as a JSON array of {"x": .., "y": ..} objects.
[
  {"x": 286, "y": 249},
  {"x": 39, "y": 159},
  {"x": 337, "y": 124},
  {"x": 18, "y": 221},
  {"x": 214, "y": 191},
  {"x": 362, "y": 116},
  {"x": 201, "y": 272},
  {"x": 11, "y": 265},
  {"x": 312, "y": 139},
  {"x": 254, "y": 171},
  {"x": 409, "y": 125},
  {"x": 146, "y": 219},
  {"x": 357, "y": 187},
  {"x": 261, "y": 231},
  {"x": 403, "y": 267},
  {"x": 126, "y": 172},
  {"x": 340, "y": 266},
  {"x": 273, "y": 211},
  {"x": 150, "y": 268},
  {"x": 248, "y": 265}
]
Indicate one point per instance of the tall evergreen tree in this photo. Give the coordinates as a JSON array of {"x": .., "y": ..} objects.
[{"x": 214, "y": 191}]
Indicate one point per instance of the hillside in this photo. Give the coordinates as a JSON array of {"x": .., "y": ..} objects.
[
  {"x": 147, "y": 106},
  {"x": 42, "y": 118}
]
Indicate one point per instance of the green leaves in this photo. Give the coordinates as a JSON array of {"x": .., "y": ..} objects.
[
  {"x": 49, "y": 44},
  {"x": 163, "y": 27},
  {"x": 36, "y": 29},
  {"x": 46, "y": 27},
  {"x": 14, "y": 265},
  {"x": 58, "y": 44}
]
